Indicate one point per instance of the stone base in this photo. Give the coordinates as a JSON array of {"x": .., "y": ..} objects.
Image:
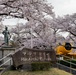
[{"x": 7, "y": 48}]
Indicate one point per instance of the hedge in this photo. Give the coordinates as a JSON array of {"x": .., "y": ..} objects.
[{"x": 40, "y": 66}]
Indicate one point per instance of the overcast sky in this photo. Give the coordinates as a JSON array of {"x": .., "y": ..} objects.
[{"x": 63, "y": 7}]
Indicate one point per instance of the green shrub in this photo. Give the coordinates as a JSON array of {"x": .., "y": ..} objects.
[{"x": 40, "y": 66}]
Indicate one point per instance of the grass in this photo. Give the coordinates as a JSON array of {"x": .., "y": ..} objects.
[{"x": 52, "y": 71}]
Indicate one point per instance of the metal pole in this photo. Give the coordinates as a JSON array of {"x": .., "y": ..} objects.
[
  {"x": 57, "y": 61},
  {"x": 70, "y": 66},
  {"x": 10, "y": 62},
  {"x": 18, "y": 32},
  {"x": 2, "y": 55}
]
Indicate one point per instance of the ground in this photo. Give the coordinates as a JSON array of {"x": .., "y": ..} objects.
[{"x": 52, "y": 71}]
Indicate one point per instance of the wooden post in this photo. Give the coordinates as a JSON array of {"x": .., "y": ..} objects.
[
  {"x": 44, "y": 57},
  {"x": 37, "y": 56}
]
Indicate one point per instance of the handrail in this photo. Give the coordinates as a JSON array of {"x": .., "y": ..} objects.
[
  {"x": 8, "y": 55},
  {"x": 68, "y": 57},
  {"x": 5, "y": 56},
  {"x": 62, "y": 65},
  {"x": 70, "y": 68},
  {"x": 19, "y": 49},
  {"x": 64, "y": 56},
  {"x": 65, "y": 66},
  {"x": 10, "y": 59},
  {"x": 69, "y": 62},
  {"x": 5, "y": 62}
]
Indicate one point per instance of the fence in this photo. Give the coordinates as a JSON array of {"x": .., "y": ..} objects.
[{"x": 65, "y": 63}]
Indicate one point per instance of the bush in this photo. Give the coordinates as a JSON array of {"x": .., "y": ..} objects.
[{"x": 40, "y": 66}]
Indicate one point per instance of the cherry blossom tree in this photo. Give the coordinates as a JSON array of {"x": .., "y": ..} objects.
[
  {"x": 35, "y": 12},
  {"x": 41, "y": 26},
  {"x": 68, "y": 24},
  {"x": 1, "y": 27},
  {"x": 25, "y": 8}
]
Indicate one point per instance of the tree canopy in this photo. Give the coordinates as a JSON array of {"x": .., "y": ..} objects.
[{"x": 42, "y": 26}]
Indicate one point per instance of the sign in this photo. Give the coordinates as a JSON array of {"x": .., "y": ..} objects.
[{"x": 32, "y": 55}]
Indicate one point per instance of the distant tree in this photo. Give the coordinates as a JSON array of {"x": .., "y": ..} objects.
[
  {"x": 68, "y": 24},
  {"x": 1, "y": 27}
]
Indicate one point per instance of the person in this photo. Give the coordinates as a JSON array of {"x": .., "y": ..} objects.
[{"x": 6, "y": 36}]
